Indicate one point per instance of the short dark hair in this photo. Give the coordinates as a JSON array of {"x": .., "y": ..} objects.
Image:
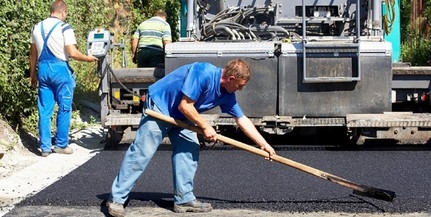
[{"x": 58, "y": 6}]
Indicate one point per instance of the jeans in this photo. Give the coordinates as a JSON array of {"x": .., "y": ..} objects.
[
  {"x": 150, "y": 133},
  {"x": 56, "y": 85}
]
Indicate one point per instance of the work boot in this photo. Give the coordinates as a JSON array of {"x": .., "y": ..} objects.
[
  {"x": 115, "y": 209},
  {"x": 45, "y": 154},
  {"x": 193, "y": 206},
  {"x": 66, "y": 150}
]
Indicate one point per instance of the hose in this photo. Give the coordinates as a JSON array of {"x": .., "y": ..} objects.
[
  {"x": 230, "y": 22},
  {"x": 119, "y": 82},
  {"x": 389, "y": 17}
]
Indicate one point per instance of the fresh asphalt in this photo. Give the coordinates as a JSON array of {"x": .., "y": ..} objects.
[{"x": 236, "y": 179}]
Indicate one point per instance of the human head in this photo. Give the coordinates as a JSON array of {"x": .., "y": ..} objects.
[
  {"x": 238, "y": 68},
  {"x": 161, "y": 13},
  {"x": 235, "y": 76},
  {"x": 59, "y": 9}
]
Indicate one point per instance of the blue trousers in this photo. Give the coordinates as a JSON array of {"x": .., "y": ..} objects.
[
  {"x": 150, "y": 133},
  {"x": 56, "y": 85}
]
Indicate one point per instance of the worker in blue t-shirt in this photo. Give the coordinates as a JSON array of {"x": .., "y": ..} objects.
[{"x": 183, "y": 94}]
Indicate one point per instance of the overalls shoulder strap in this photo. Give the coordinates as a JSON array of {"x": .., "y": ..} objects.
[
  {"x": 47, "y": 54},
  {"x": 45, "y": 39}
]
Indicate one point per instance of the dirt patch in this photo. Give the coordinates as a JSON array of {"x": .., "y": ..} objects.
[
  {"x": 24, "y": 172},
  {"x": 18, "y": 149}
]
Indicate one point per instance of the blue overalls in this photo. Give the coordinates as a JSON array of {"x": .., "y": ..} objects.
[{"x": 56, "y": 85}]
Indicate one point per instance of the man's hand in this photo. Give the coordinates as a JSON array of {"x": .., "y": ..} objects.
[
  {"x": 33, "y": 81},
  {"x": 268, "y": 149},
  {"x": 210, "y": 134},
  {"x": 92, "y": 58},
  {"x": 134, "y": 59},
  {"x": 186, "y": 107}
]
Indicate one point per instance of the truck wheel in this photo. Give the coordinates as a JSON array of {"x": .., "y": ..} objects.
[{"x": 114, "y": 136}]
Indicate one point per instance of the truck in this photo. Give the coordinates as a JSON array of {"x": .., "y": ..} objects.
[{"x": 316, "y": 66}]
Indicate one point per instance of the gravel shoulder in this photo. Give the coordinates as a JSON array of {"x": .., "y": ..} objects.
[{"x": 23, "y": 172}]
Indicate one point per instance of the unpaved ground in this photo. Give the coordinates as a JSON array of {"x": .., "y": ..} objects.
[
  {"x": 15, "y": 155},
  {"x": 160, "y": 212},
  {"x": 20, "y": 150},
  {"x": 23, "y": 172}
]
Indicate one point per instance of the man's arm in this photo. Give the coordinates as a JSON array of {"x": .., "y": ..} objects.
[
  {"x": 187, "y": 108},
  {"x": 165, "y": 42},
  {"x": 250, "y": 130},
  {"x": 33, "y": 62},
  {"x": 134, "y": 48},
  {"x": 134, "y": 45},
  {"x": 75, "y": 54}
]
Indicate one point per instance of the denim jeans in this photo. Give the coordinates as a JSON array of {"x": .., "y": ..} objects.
[
  {"x": 149, "y": 135},
  {"x": 56, "y": 85}
]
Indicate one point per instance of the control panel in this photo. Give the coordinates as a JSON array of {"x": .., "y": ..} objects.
[{"x": 98, "y": 42}]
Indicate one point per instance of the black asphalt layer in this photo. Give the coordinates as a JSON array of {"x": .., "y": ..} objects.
[{"x": 238, "y": 179}]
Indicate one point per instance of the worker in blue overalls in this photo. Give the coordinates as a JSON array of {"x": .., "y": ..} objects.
[{"x": 53, "y": 42}]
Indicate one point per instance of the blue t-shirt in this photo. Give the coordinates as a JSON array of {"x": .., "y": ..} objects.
[{"x": 200, "y": 82}]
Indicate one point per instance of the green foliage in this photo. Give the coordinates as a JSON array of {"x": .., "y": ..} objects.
[
  {"x": 84, "y": 16},
  {"x": 416, "y": 50},
  {"x": 145, "y": 9},
  {"x": 405, "y": 7},
  {"x": 427, "y": 11},
  {"x": 17, "y": 18},
  {"x": 29, "y": 123},
  {"x": 17, "y": 99},
  {"x": 173, "y": 8},
  {"x": 76, "y": 122},
  {"x": 415, "y": 39}
]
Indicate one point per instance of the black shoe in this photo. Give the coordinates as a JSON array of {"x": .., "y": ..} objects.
[{"x": 193, "y": 206}]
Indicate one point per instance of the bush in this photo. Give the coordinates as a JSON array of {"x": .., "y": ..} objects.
[
  {"x": 415, "y": 38},
  {"x": 18, "y": 101},
  {"x": 416, "y": 50}
]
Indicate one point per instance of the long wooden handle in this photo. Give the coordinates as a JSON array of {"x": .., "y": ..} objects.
[{"x": 366, "y": 191}]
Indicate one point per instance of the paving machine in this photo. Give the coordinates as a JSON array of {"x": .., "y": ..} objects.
[{"x": 320, "y": 64}]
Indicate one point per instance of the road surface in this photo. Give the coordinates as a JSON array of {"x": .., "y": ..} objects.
[{"x": 239, "y": 183}]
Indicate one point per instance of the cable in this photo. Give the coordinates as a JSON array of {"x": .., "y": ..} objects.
[
  {"x": 389, "y": 17},
  {"x": 121, "y": 84}
]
